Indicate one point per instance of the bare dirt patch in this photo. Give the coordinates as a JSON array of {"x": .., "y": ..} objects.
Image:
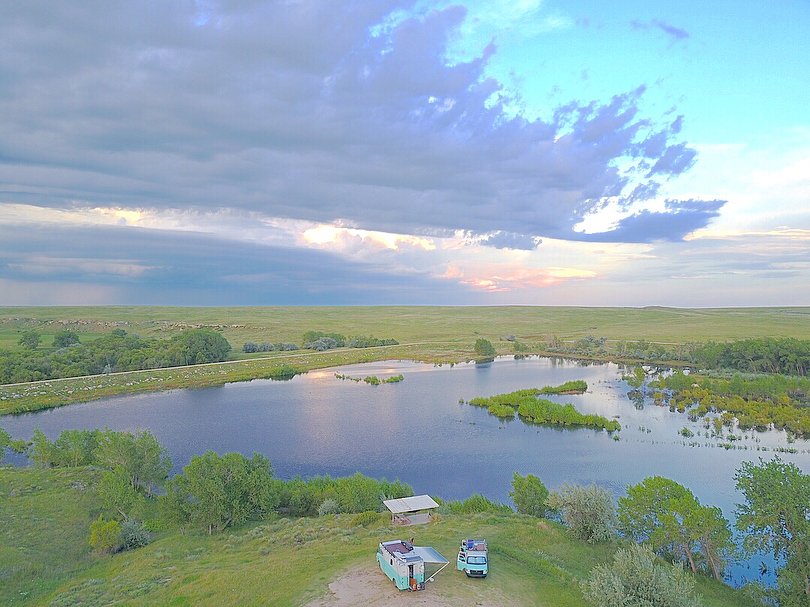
[{"x": 367, "y": 586}]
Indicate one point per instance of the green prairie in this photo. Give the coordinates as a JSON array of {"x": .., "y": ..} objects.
[
  {"x": 419, "y": 323},
  {"x": 45, "y": 558}
]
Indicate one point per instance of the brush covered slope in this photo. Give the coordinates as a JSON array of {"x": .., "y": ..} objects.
[{"x": 45, "y": 558}]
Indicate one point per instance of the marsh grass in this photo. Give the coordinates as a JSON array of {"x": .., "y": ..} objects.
[{"x": 544, "y": 412}]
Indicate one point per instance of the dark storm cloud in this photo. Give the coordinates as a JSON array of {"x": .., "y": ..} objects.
[
  {"x": 510, "y": 240},
  {"x": 182, "y": 268},
  {"x": 298, "y": 110}
]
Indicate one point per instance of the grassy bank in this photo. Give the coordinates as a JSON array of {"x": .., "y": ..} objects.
[
  {"x": 44, "y": 558},
  {"x": 47, "y": 394}
]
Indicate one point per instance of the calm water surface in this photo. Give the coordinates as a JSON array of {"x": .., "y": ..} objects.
[{"x": 417, "y": 430}]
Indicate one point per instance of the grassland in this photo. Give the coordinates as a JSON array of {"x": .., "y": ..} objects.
[
  {"x": 44, "y": 558},
  {"x": 419, "y": 323},
  {"x": 430, "y": 334}
]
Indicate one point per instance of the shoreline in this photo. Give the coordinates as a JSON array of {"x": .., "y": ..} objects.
[{"x": 40, "y": 395}]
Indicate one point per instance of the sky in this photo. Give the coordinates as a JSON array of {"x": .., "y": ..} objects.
[{"x": 480, "y": 152}]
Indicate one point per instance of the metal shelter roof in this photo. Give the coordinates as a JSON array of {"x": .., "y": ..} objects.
[{"x": 410, "y": 504}]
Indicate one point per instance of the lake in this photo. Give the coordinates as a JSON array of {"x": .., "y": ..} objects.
[{"x": 419, "y": 432}]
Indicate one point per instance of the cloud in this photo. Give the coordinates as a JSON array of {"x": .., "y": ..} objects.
[
  {"x": 306, "y": 111},
  {"x": 510, "y": 240},
  {"x": 675, "y": 34},
  {"x": 510, "y": 278},
  {"x": 744, "y": 268},
  {"x": 678, "y": 219},
  {"x": 114, "y": 265},
  {"x": 674, "y": 160},
  {"x": 43, "y": 265}
]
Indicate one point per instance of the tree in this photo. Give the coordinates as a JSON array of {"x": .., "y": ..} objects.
[
  {"x": 588, "y": 511},
  {"x": 30, "y": 339},
  {"x": 65, "y": 338},
  {"x": 636, "y": 579},
  {"x": 139, "y": 457},
  {"x": 5, "y": 441},
  {"x": 217, "y": 492},
  {"x": 196, "y": 346},
  {"x": 338, "y": 339},
  {"x": 711, "y": 531},
  {"x": 117, "y": 494},
  {"x": 357, "y": 493},
  {"x": 42, "y": 450},
  {"x": 74, "y": 448},
  {"x": 668, "y": 517},
  {"x": 776, "y": 517},
  {"x": 529, "y": 494},
  {"x": 636, "y": 380},
  {"x": 484, "y": 348}
]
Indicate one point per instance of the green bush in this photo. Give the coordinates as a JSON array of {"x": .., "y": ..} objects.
[
  {"x": 133, "y": 535},
  {"x": 65, "y": 338},
  {"x": 104, "y": 535},
  {"x": 364, "y": 519},
  {"x": 320, "y": 341},
  {"x": 30, "y": 339},
  {"x": 636, "y": 579},
  {"x": 328, "y": 506},
  {"x": 484, "y": 348},
  {"x": 587, "y": 511},
  {"x": 356, "y": 493},
  {"x": 361, "y": 341},
  {"x": 474, "y": 503},
  {"x": 521, "y": 347}
]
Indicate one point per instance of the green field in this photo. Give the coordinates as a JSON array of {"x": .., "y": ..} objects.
[
  {"x": 418, "y": 323},
  {"x": 45, "y": 559}
]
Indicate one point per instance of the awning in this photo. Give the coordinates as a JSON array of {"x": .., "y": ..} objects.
[
  {"x": 410, "y": 504},
  {"x": 434, "y": 562},
  {"x": 429, "y": 555}
]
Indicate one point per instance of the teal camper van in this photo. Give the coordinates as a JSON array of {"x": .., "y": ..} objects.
[
  {"x": 473, "y": 558},
  {"x": 406, "y": 565}
]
